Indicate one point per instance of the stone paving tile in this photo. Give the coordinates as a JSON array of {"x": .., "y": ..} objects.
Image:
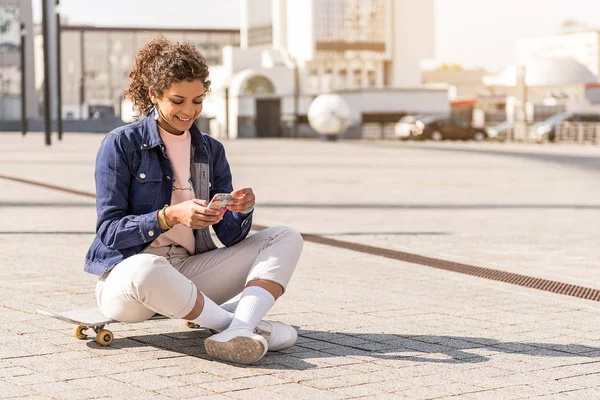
[
  {"x": 64, "y": 390},
  {"x": 11, "y": 372},
  {"x": 9, "y": 390},
  {"x": 309, "y": 374},
  {"x": 301, "y": 391},
  {"x": 185, "y": 392},
  {"x": 365, "y": 367},
  {"x": 242, "y": 383},
  {"x": 326, "y": 383},
  {"x": 252, "y": 394},
  {"x": 111, "y": 387},
  {"x": 385, "y": 396},
  {"x": 144, "y": 379},
  {"x": 584, "y": 394},
  {"x": 392, "y": 383},
  {"x": 198, "y": 378},
  {"x": 418, "y": 392},
  {"x": 584, "y": 381},
  {"x": 369, "y": 389}
]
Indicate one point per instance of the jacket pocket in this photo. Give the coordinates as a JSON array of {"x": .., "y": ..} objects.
[{"x": 145, "y": 187}]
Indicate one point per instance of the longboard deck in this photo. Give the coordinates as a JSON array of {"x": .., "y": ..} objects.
[
  {"x": 85, "y": 319},
  {"x": 86, "y": 316}
]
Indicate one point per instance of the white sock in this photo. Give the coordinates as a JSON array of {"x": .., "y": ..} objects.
[
  {"x": 253, "y": 305},
  {"x": 213, "y": 316}
]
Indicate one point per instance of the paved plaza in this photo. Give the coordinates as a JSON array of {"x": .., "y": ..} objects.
[{"x": 370, "y": 327}]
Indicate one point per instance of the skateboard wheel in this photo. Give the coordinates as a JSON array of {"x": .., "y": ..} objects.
[
  {"x": 79, "y": 331},
  {"x": 192, "y": 325},
  {"x": 104, "y": 337}
]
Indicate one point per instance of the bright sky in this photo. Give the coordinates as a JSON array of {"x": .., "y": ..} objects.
[{"x": 469, "y": 32}]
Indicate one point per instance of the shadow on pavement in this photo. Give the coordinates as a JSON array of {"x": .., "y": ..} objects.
[{"x": 317, "y": 348}]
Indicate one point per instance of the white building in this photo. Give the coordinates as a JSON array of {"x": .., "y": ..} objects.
[
  {"x": 583, "y": 46},
  {"x": 368, "y": 51},
  {"x": 346, "y": 44},
  {"x": 547, "y": 85}
]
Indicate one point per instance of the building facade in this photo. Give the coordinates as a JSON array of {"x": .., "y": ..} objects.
[
  {"x": 366, "y": 51},
  {"x": 345, "y": 44},
  {"x": 13, "y": 15},
  {"x": 96, "y": 62},
  {"x": 461, "y": 83}
]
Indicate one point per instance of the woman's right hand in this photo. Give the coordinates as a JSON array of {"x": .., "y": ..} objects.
[{"x": 193, "y": 214}]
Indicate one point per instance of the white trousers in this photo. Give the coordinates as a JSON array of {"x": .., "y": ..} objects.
[{"x": 166, "y": 280}]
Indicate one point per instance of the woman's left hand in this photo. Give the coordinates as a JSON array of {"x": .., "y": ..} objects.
[{"x": 243, "y": 200}]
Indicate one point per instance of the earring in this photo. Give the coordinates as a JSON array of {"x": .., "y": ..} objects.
[{"x": 156, "y": 115}]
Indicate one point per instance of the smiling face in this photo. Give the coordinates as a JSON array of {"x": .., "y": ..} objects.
[{"x": 179, "y": 105}]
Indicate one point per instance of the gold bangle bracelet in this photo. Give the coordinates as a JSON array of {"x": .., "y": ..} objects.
[{"x": 164, "y": 218}]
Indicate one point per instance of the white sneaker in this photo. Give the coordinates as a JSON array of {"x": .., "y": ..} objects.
[
  {"x": 279, "y": 336},
  {"x": 238, "y": 345}
]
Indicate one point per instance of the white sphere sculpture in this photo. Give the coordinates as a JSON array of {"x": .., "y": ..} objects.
[{"x": 329, "y": 114}]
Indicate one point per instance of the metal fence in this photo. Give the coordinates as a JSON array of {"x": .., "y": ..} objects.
[
  {"x": 375, "y": 130},
  {"x": 566, "y": 132},
  {"x": 578, "y": 132}
]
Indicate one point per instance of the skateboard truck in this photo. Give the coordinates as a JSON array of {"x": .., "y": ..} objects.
[{"x": 104, "y": 337}]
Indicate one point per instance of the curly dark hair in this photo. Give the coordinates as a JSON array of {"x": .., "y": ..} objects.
[{"x": 160, "y": 64}]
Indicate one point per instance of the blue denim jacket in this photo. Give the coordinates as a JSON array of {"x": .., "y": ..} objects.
[{"x": 134, "y": 181}]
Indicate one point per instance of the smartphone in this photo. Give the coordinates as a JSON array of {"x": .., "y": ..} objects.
[{"x": 220, "y": 201}]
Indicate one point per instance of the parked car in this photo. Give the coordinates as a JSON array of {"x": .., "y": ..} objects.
[
  {"x": 405, "y": 127},
  {"x": 546, "y": 130},
  {"x": 502, "y": 131},
  {"x": 440, "y": 128},
  {"x": 425, "y": 124}
]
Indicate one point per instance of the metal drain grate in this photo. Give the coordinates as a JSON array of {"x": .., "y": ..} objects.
[{"x": 567, "y": 289}]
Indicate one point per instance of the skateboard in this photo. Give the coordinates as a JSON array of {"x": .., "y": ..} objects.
[{"x": 91, "y": 318}]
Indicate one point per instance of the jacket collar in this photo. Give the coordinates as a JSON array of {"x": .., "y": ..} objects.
[
  {"x": 150, "y": 135},
  {"x": 151, "y": 138},
  {"x": 199, "y": 144}
]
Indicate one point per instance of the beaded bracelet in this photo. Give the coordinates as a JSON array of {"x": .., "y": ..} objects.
[{"x": 163, "y": 217}]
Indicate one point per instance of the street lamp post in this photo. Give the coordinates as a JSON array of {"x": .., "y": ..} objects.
[
  {"x": 82, "y": 77},
  {"x": 47, "y": 77},
  {"x": 23, "y": 82},
  {"x": 296, "y": 98},
  {"x": 59, "y": 126}
]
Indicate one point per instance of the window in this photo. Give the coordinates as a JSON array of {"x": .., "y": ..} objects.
[
  {"x": 10, "y": 28},
  {"x": 357, "y": 78},
  {"x": 343, "y": 25},
  {"x": 257, "y": 85},
  {"x": 372, "y": 78}
]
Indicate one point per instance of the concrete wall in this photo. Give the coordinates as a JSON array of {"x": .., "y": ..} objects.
[
  {"x": 392, "y": 101},
  {"x": 413, "y": 40},
  {"x": 237, "y": 59}
]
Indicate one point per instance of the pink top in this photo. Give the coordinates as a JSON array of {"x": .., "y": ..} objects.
[{"x": 178, "y": 151}]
